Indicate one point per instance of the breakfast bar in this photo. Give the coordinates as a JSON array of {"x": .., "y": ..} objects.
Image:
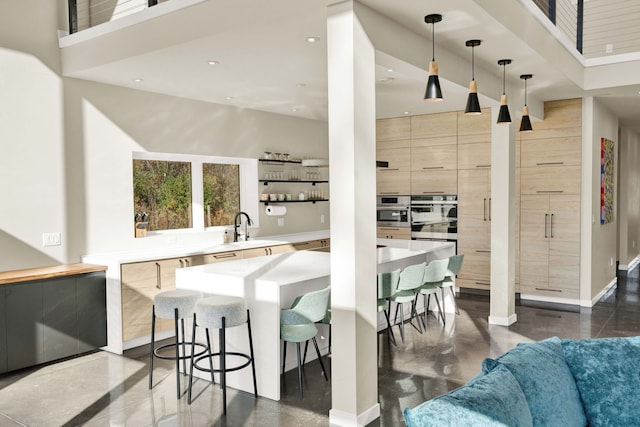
[{"x": 269, "y": 283}]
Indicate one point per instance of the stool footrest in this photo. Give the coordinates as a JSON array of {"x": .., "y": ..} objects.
[
  {"x": 227, "y": 369},
  {"x": 203, "y": 350}
]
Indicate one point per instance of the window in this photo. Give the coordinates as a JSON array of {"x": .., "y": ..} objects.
[
  {"x": 221, "y": 188},
  {"x": 182, "y": 192},
  {"x": 162, "y": 192}
]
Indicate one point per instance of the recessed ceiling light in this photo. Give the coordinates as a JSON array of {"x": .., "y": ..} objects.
[
  {"x": 138, "y": 80},
  {"x": 228, "y": 98},
  {"x": 295, "y": 110},
  {"x": 313, "y": 39},
  {"x": 212, "y": 62},
  {"x": 301, "y": 85},
  {"x": 389, "y": 70},
  {"x": 406, "y": 113}
]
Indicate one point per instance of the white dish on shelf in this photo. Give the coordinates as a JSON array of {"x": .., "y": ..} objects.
[{"x": 315, "y": 162}]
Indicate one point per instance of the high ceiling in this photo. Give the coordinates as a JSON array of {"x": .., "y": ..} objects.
[{"x": 256, "y": 55}]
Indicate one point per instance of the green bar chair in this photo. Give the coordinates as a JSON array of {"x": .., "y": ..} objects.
[
  {"x": 387, "y": 285},
  {"x": 297, "y": 324},
  {"x": 453, "y": 269},
  {"x": 434, "y": 275},
  {"x": 411, "y": 278}
]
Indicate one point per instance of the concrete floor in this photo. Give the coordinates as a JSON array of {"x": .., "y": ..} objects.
[{"x": 102, "y": 389}]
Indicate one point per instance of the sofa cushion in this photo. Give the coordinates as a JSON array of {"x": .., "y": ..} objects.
[
  {"x": 607, "y": 375},
  {"x": 493, "y": 399},
  {"x": 546, "y": 381}
]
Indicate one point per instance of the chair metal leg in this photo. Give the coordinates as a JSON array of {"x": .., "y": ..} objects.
[
  {"x": 284, "y": 355},
  {"x": 253, "y": 362},
  {"x": 299, "y": 370},
  {"x": 390, "y": 335},
  {"x": 184, "y": 349},
  {"x": 213, "y": 380},
  {"x": 444, "y": 322},
  {"x": 223, "y": 366},
  {"x": 401, "y": 327},
  {"x": 175, "y": 313},
  {"x": 315, "y": 343},
  {"x": 304, "y": 356},
  {"x": 193, "y": 346},
  {"x": 152, "y": 350}
]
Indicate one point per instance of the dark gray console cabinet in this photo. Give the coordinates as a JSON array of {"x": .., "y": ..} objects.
[{"x": 49, "y": 319}]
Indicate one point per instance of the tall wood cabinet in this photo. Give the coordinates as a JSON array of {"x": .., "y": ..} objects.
[
  {"x": 393, "y": 145},
  {"x": 474, "y": 199},
  {"x": 434, "y": 159},
  {"x": 550, "y": 170}
]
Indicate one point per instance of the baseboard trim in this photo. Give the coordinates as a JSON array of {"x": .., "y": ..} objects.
[
  {"x": 346, "y": 419},
  {"x": 503, "y": 321},
  {"x": 631, "y": 265},
  {"x": 602, "y": 293}
]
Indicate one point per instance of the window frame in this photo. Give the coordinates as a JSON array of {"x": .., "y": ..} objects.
[{"x": 248, "y": 171}]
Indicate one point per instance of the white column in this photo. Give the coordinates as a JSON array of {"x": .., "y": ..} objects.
[
  {"x": 503, "y": 247},
  {"x": 351, "y": 76}
]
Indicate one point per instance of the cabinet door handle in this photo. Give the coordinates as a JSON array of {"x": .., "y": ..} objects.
[
  {"x": 231, "y": 255},
  {"x": 158, "y": 276},
  {"x": 389, "y": 192},
  {"x": 432, "y": 167},
  {"x": 551, "y": 225},
  {"x": 547, "y": 289},
  {"x": 484, "y": 209},
  {"x": 433, "y": 192},
  {"x": 181, "y": 263},
  {"x": 549, "y": 191},
  {"x": 549, "y": 163},
  {"x": 389, "y": 169},
  {"x": 545, "y": 225},
  {"x": 483, "y": 283},
  {"x": 187, "y": 263},
  {"x": 483, "y": 166},
  {"x": 483, "y": 251}
]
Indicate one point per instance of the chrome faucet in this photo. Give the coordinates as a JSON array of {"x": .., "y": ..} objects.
[{"x": 237, "y": 223}]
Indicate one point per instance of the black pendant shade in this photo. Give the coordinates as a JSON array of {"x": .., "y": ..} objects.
[
  {"x": 525, "y": 123},
  {"x": 433, "y": 92},
  {"x": 473, "y": 105},
  {"x": 503, "y": 115}
]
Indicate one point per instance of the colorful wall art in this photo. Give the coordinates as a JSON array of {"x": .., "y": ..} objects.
[{"x": 606, "y": 180}]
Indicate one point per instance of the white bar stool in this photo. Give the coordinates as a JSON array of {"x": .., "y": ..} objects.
[
  {"x": 177, "y": 305},
  {"x": 221, "y": 312}
]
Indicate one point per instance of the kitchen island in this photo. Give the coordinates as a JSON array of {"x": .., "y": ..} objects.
[{"x": 270, "y": 283}]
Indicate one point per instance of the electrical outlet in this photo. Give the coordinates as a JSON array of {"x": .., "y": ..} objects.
[
  {"x": 611, "y": 262},
  {"x": 608, "y": 48},
  {"x": 52, "y": 239},
  {"x": 280, "y": 222},
  {"x": 633, "y": 244},
  {"x": 322, "y": 219}
]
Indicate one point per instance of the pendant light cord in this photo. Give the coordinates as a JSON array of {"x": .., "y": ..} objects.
[
  {"x": 473, "y": 63},
  {"x": 433, "y": 41},
  {"x": 504, "y": 79},
  {"x": 525, "y": 92}
]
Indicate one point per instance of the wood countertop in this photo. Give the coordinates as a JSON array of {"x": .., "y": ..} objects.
[{"x": 15, "y": 276}]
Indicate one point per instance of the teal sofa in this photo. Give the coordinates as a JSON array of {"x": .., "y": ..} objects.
[{"x": 588, "y": 382}]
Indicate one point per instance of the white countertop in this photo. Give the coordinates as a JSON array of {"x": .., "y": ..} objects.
[
  {"x": 281, "y": 269},
  {"x": 186, "y": 250}
]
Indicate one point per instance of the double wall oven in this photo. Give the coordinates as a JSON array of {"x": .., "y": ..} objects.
[
  {"x": 434, "y": 217},
  {"x": 393, "y": 211}
]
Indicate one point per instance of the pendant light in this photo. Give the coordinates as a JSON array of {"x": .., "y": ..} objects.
[
  {"x": 504, "y": 116},
  {"x": 433, "y": 92},
  {"x": 473, "y": 105},
  {"x": 525, "y": 124}
]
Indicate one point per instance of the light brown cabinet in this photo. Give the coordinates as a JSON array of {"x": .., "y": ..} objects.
[
  {"x": 440, "y": 128},
  {"x": 267, "y": 250},
  {"x": 550, "y": 245},
  {"x": 550, "y": 159},
  {"x": 402, "y": 233},
  {"x": 434, "y": 182},
  {"x": 393, "y": 182},
  {"x": 474, "y": 227},
  {"x": 395, "y": 129},
  {"x": 439, "y": 157}
]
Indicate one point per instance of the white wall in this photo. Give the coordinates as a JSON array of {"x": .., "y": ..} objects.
[
  {"x": 629, "y": 197},
  {"x": 600, "y": 123},
  {"x": 66, "y": 149}
]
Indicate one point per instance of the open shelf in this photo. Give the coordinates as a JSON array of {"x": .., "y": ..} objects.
[
  {"x": 267, "y": 181},
  {"x": 266, "y": 202}
]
